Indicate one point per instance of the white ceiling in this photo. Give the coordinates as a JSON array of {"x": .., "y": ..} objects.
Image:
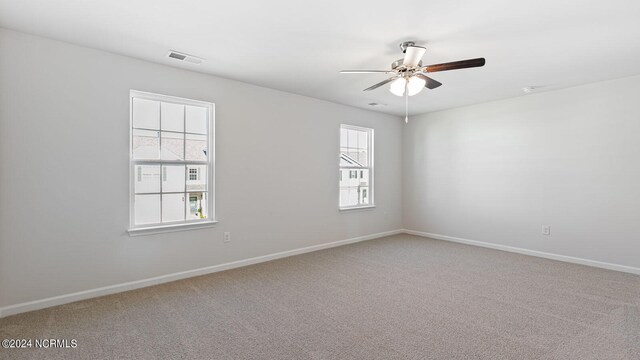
[{"x": 299, "y": 46}]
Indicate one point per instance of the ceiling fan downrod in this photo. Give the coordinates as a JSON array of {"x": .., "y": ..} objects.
[{"x": 404, "y": 45}]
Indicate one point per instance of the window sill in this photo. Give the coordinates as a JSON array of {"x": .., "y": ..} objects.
[
  {"x": 365, "y": 207},
  {"x": 150, "y": 230}
]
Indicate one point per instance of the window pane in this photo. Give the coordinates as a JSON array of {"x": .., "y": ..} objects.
[
  {"x": 146, "y": 144},
  {"x": 146, "y": 114},
  {"x": 348, "y": 196},
  {"x": 364, "y": 195},
  {"x": 197, "y": 206},
  {"x": 196, "y": 120},
  {"x": 353, "y": 157},
  {"x": 172, "y": 146},
  {"x": 354, "y": 187},
  {"x": 353, "y": 196},
  {"x": 172, "y": 117},
  {"x": 172, "y": 207},
  {"x": 196, "y": 177},
  {"x": 147, "y": 179},
  {"x": 362, "y": 140},
  {"x": 344, "y": 195},
  {"x": 363, "y": 157},
  {"x": 345, "y": 159},
  {"x": 343, "y": 137},
  {"x": 352, "y": 138},
  {"x": 173, "y": 178},
  {"x": 196, "y": 147},
  {"x": 363, "y": 178},
  {"x": 147, "y": 209}
]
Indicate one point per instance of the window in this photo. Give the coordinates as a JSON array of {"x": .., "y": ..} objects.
[
  {"x": 356, "y": 158},
  {"x": 171, "y": 165}
]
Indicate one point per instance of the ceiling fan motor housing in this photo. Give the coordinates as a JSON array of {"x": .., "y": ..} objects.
[{"x": 396, "y": 64}]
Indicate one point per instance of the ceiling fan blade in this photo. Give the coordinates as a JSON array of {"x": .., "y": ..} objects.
[
  {"x": 381, "y": 83},
  {"x": 365, "y": 72},
  {"x": 413, "y": 55},
  {"x": 454, "y": 65},
  {"x": 430, "y": 83}
]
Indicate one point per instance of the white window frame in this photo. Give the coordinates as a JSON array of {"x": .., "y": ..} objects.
[
  {"x": 370, "y": 161},
  {"x": 210, "y": 162}
]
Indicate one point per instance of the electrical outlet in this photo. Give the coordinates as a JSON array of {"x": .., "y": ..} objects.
[
  {"x": 546, "y": 230},
  {"x": 227, "y": 237}
]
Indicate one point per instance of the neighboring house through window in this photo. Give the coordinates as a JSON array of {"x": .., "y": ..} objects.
[
  {"x": 193, "y": 174},
  {"x": 356, "y": 158},
  {"x": 171, "y": 167}
]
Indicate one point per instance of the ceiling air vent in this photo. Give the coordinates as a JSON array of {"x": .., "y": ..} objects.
[{"x": 184, "y": 57}]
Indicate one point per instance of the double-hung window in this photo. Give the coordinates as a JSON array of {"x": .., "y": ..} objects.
[
  {"x": 356, "y": 167},
  {"x": 171, "y": 158}
]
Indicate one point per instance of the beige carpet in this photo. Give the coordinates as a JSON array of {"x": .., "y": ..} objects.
[{"x": 401, "y": 297}]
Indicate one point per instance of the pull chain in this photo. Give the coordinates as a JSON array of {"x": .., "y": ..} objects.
[{"x": 406, "y": 102}]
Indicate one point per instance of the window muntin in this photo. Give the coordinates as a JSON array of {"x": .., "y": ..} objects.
[
  {"x": 171, "y": 165},
  {"x": 356, "y": 167}
]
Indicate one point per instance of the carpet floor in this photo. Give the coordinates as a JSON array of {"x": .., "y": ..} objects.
[{"x": 400, "y": 297}]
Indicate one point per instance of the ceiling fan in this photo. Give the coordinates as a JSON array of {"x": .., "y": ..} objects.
[{"x": 409, "y": 76}]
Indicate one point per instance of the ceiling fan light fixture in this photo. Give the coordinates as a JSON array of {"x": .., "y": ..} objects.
[
  {"x": 397, "y": 86},
  {"x": 415, "y": 85}
]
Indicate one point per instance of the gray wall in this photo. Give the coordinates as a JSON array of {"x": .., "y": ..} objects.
[
  {"x": 64, "y": 186},
  {"x": 496, "y": 172}
]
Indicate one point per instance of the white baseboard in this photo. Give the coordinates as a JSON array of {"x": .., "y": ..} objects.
[
  {"x": 112, "y": 289},
  {"x": 546, "y": 255}
]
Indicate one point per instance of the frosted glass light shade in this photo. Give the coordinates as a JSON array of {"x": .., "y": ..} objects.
[
  {"x": 397, "y": 86},
  {"x": 415, "y": 85}
]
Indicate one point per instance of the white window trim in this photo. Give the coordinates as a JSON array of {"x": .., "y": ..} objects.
[
  {"x": 150, "y": 230},
  {"x": 135, "y": 230},
  {"x": 358, "y": 207},
  {"x": 370, "y": 132}
]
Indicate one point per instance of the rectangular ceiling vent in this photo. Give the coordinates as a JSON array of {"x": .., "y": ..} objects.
[{"x": 185, "y": 57}]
